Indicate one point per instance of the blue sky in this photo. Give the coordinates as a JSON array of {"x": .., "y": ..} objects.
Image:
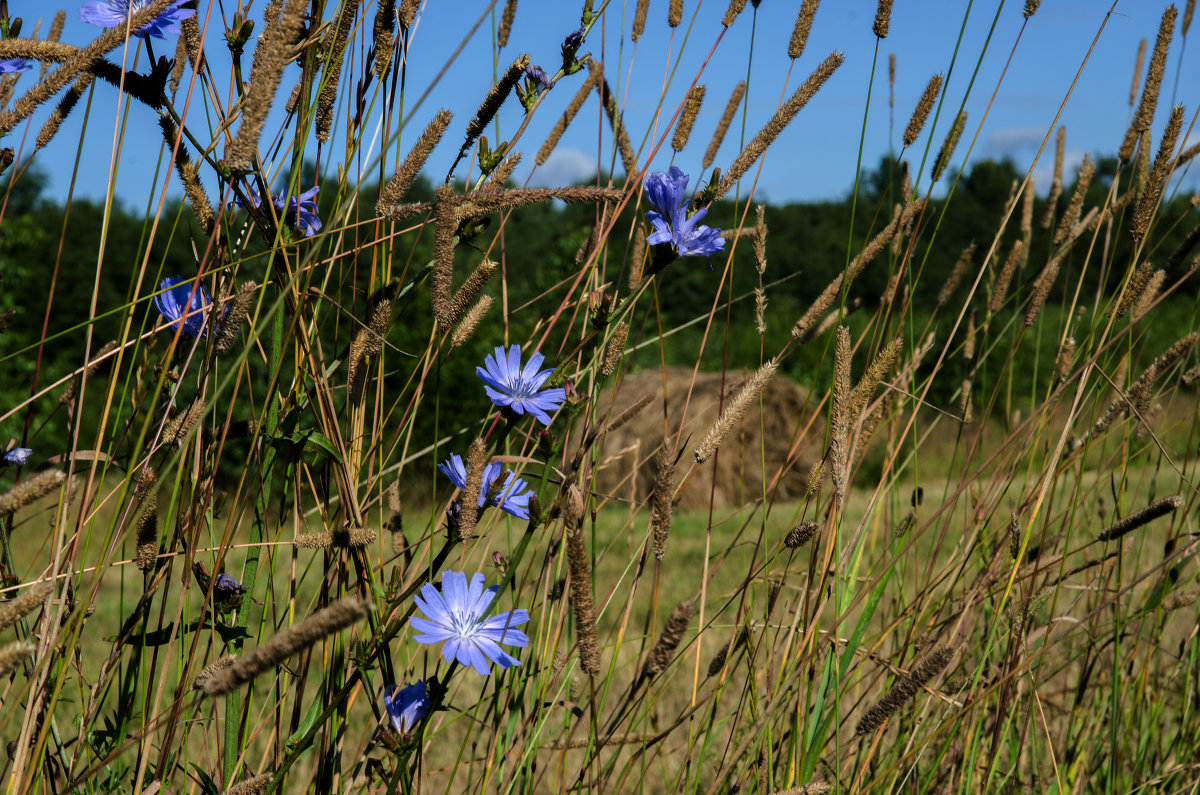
[{"x": 816, "y": 156}]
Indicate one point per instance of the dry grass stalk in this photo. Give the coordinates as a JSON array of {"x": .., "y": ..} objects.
[
  {"x": 615, "y": 120},
  {"x": 735, "y": 7},
  {"x": 477, "y": 460},
  {"x": 924, "y": 105},
  {"x": 883, "y": 18},
  {"x": 904, "y": 689},
  {"x": 273, "y": 52},
  {"x": 470, "y": 321},
  {"x": 13, "y": 610},
  {"x": 580, "y": 570},
  {"x": 450, "y": 310},
  {"x": 179, "y": 427},
  {"x": 251, "y": 786},
  {"x": 1065, "y": 360},
  {"x": 1144, "y": 116},
  {"x": 1143, "y": 517},
  {"x": 1176, "y": 353},
  {"x": 1014, "y": 537},
  {"x": 800, "y": 535},
  {"x": 825, "y": 300},
  {"x": 1150, "y": 294},
  {"x": 815, "y": 473},
  {"x": 637, "y": 259},
  {"x": 760, "y": 265},
  {"x": 1133, "y": 290},
  {"x": 614, "y": 349},
  {"x": 639, "y": 19},
  {"x": 628, "y": 414},
  {"x": 408, "y": 11},
  {"x": 1060, "y": 146},
  {"x": 1069, "y": 222},
  {"x": 966, "y": 410},
  {"x": 192, "y": 43},
  {"x": 80, "y": 60},
  {"x": 188, "y": 175},
  {"x": 211, "y": 670},
  {"x": 14, "y": 655},
  {"x": 840, "y": 418},
  {"x": 506, "y": 23},
  {"x": 947, "y": 151},
  {"x": 384, "y": 34},
  {"x": 501, "y": 173},
  {"x": 367, "y": 342},
  {"x": 29, "y": 490},
  {"x": 482, "y": 202},
  {"x": 664, "y": 649},
  {"x": 1041, "y": 291},
  {"x": 1189, "y": 377},
  {"x": 872, "y": 376},
  {"x": 568, "y": 116},
  {"x": 400, "y": 183},
  {"x": 1031, "y": 7},
  {"x": 63, "y": 109},
  {"x": 735, "y": 99},
  {"x": 662, "y": 505},
  {"x": 804, "y": 22},
  {"x": 687, "y": 118},
  {"x": 956, "y": 274},
  {"x": 1137, "y": 71},
  {"x": 147, "y": 537},
  {"x": 811, "y": 788},
  {"x": 1180, "y": 600},
  {"x": 494, "y": 99},
  {"x": 1158, "y": 175},
  {"x": 324, "y": 622},
  {"x": 675, "y": 13},
  {"x": 239, "y": 310},
  {"x": 732, "y": 414},
  {"x": 336, "y": 539},
  {"x": 771, "y": 130}
]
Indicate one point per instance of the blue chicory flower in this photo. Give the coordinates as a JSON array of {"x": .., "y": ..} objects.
[
  {"x": 111, "y": 13},
  {"x": 407, "y": 705},
  {"x": 227, "y": 592},
  {"x": 511, "y": 495},
  {"x": 11, "y": 66},
  {"x": 174, "y": 306},
  {"x": 573, "y": 40},
  {"x": 538, "y": 75},
  {"x": 666, "y": 193},
  {"x": 17, "y": 456},
  {"x": 455, "y": 619},
  {"x": 299, "y": 212},
  {"x": 516, "y": 388}
]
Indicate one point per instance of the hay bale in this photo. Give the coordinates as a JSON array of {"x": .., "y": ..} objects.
[{"x": 735, "y": 477}]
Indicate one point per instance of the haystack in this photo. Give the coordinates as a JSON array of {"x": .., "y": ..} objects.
[{"x": 781, "y": 430}]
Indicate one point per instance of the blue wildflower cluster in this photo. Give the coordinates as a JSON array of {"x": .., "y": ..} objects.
[
  {"x": 672, "y": 225},
  {"x": 111, "y": 13},
  {"x": 296, "y": 212}
]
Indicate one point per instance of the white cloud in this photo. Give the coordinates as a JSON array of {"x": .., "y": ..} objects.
[{"x": 565, "y": 166}]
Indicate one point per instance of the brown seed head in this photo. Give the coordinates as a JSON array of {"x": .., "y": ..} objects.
[
  {"x": 771, "y": 130},
  {"x": 731, "y": 107},
  {"x": 883, "y": 18},
  {"x": 30, "y": 489},
  {"x": 904, "y": 689},
  {"x": 639, "y": 19},
  {"x": 732, "y": 414},
  {"x": 324, "y": 622},
  {"x": 677, "y": 623},
  {"x": 506, "y": 23},
  {"x": 924, "y": 105},
  {"x": 1144, "y": 516},
  {"x": 801, "y": 534},
  {"x": 400, "y": 183},
  {"x": 687, "y": 118},
  {"x": 12, "y": 610},
  {"x": 804, "y": 21},
  {"x": 580, "y": 570},
  {"x": 239, "y": 310},
  {"x": 675, "y": 13},
  {"x": 14, "y": 655},
  {"x": 1031, "y": 7}
]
